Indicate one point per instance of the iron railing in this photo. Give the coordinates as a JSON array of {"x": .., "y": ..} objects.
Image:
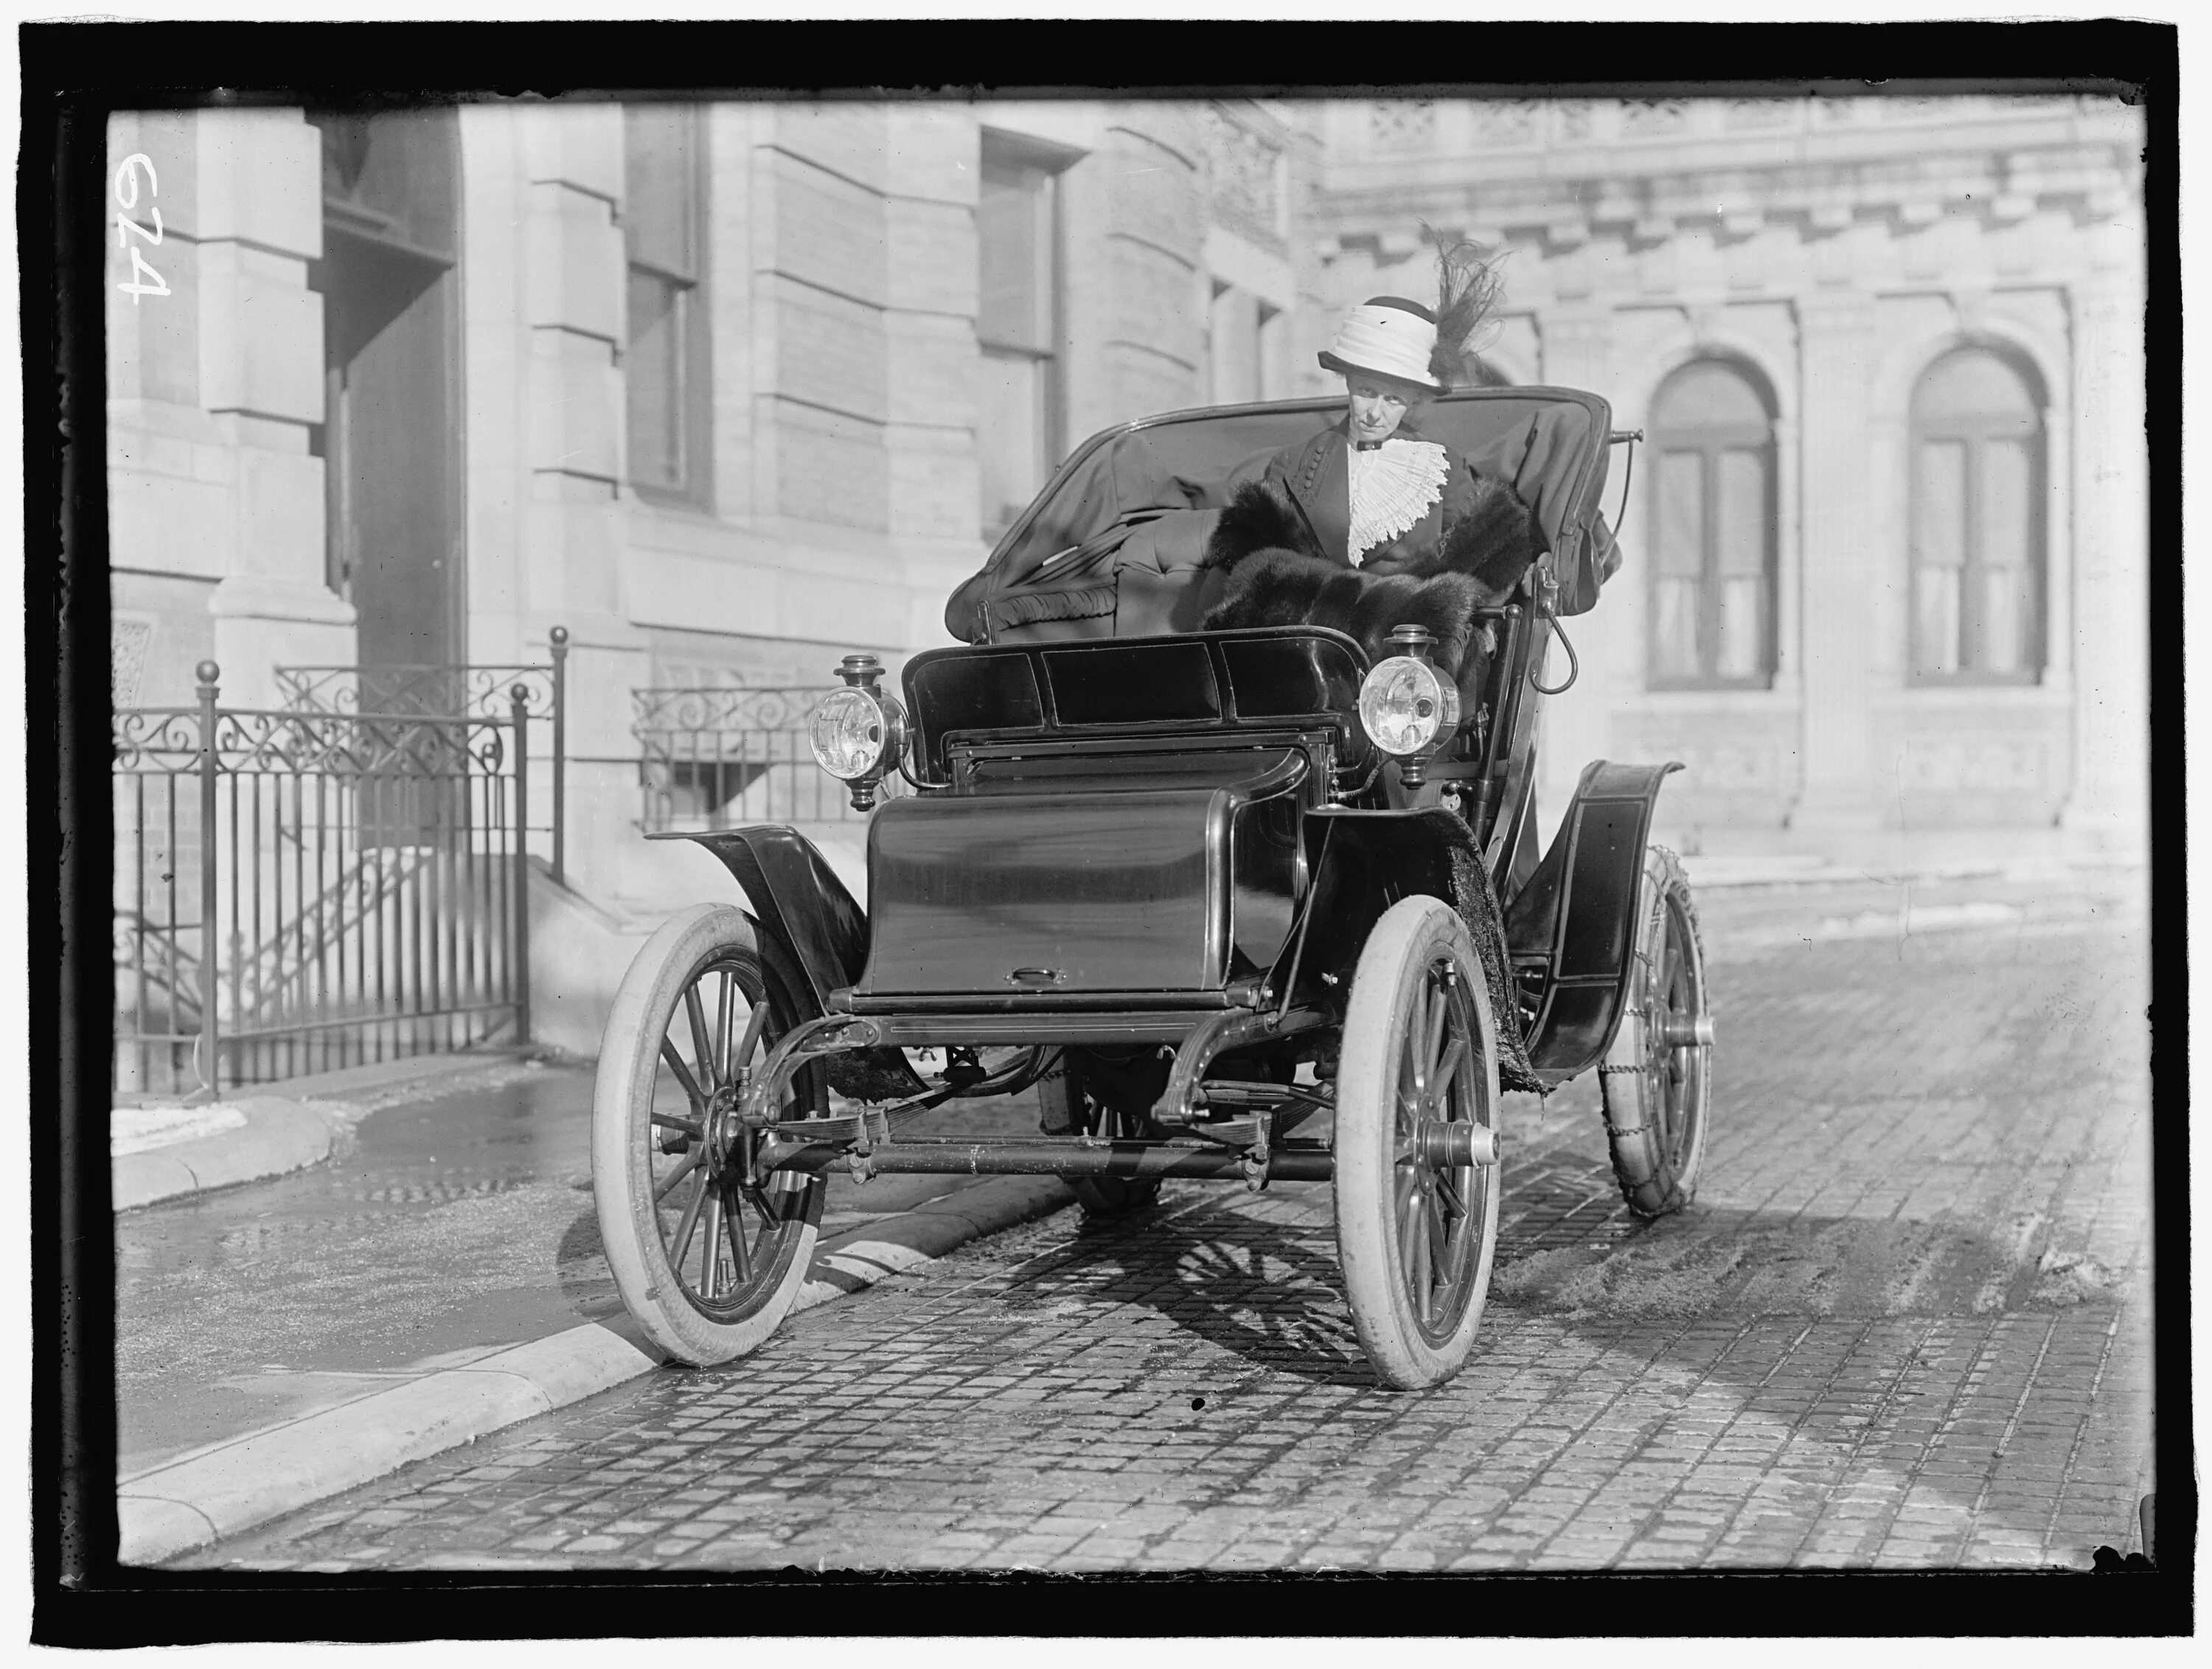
[
  {"x": 453, "y": 692},
  {"x": 298, "y": 890},
  {"x": 723, "y": 758}
]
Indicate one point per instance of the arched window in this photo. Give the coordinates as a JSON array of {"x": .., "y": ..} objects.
[
  {"x": 1712, "y": 602},
  {"x": 1978, "y": 482}
]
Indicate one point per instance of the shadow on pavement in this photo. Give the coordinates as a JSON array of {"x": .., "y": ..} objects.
[
  {"x": 1557, "y": 1253},
  {"x": 1260, "y": 1279},
  {"x": 1267, "y": 1291}
]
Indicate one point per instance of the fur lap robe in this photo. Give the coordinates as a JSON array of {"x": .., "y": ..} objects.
[{"x": 1278, "y": 575}]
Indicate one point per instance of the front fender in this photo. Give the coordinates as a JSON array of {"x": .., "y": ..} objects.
[
  {"x": 803, "y": 907},
  {"x": 1570, "y": 929},
  {"x": 797, "y": 900},
  {"x": 1364, "y": 862}
]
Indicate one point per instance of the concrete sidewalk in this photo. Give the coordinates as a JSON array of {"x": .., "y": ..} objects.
[
  {"x": 239, "y": 1482},
  {"x": 352, "y": 1412}
]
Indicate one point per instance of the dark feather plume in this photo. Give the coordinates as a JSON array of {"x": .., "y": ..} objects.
[{"x": 1468, "y": 289}]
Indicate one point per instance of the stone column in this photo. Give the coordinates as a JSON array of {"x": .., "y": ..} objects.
[
  {"x": 1312, "y": 323},
  {"x": 929, "y": 331},
  {"x": 1133, "y": 235},
  {"x": 2109, "y": 809},
  {"x": 571, "y": 293},
  {"x": 257, "y": 213},
  {"x": 561, "y": 257},
  {"x": 171, "y": 469},
  {"x": 820, "y": 276},
  {"x": 1841, "y": 566}
]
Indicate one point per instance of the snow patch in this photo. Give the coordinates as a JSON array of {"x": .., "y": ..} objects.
[{"x": 140, "y": 1129}]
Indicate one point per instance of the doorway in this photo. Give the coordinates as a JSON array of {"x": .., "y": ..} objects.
[
  {"x": 390, "y": 439},
  {"x": 390, "y": 446}
]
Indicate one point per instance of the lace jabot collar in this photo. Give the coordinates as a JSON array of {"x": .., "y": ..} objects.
[{"x": 1393, "y": 486}]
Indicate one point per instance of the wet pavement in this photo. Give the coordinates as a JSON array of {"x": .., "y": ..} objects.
[
  {"x": 456, "y": 1219},
  {"x": 1905, "y": 1325}
]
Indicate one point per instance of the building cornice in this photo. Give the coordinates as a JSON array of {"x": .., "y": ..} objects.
[
  {"x": 1561, "y": 171},
  {"x": 2089, "y": 183}
]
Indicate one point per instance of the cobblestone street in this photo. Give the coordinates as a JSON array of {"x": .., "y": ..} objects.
[{"x": 1905, "y": 1325}]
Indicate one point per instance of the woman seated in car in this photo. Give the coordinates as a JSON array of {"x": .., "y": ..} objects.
[{"x": 1314, "y": 529}]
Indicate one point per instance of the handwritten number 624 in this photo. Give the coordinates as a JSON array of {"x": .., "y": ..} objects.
[{"x": 126, "y": 193}]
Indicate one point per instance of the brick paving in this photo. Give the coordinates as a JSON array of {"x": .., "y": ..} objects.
[{"x": 1905, "y": 1325}]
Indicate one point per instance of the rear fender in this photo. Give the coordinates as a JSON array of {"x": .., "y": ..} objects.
[{"x": 1570, "y": 929}]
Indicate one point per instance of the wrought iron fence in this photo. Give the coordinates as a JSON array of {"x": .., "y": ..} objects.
[
  {"x": 723, "y": 758},
  {"x": 454, "y": 692},
  {"x": 302, "y": 890}
]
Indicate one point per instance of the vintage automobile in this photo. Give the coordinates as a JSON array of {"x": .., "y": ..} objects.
[{"x": 1237, "y": 904}]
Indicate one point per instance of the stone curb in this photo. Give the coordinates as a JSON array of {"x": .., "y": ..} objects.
[
  {"x": 279, "y": 1135},
  {"x": 187, "y": 1502}
]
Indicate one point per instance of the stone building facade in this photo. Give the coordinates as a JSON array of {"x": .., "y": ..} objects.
[
  {"x": 1887, "y": 534},
  {"x": 727, "y": 389}
]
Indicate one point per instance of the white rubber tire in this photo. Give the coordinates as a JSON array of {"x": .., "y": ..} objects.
[
  {"x": 1657, "y": 1168},
  {"x": 623, "y": 1134},
  {"x": 1392, "y": 965}
]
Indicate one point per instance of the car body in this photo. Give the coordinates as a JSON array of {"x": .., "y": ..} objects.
[{"x": 1173, "y": 879}]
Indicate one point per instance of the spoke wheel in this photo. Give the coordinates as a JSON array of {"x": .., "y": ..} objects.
[
  {"x": 1657, "y": 1075},
  {"x": 707, "y": 1256},
  {"x": 1068, "y": 1103},
  {"x": 1417, "y": 1194}
]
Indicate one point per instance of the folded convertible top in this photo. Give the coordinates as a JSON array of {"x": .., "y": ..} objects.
[{"x": 1549, "y": 444}]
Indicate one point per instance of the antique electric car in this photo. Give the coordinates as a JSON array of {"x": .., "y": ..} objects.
[{"x": 1239, "y": 904}]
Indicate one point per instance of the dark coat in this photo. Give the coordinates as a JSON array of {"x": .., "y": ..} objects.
[{"x": 1283, "y": 541}]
